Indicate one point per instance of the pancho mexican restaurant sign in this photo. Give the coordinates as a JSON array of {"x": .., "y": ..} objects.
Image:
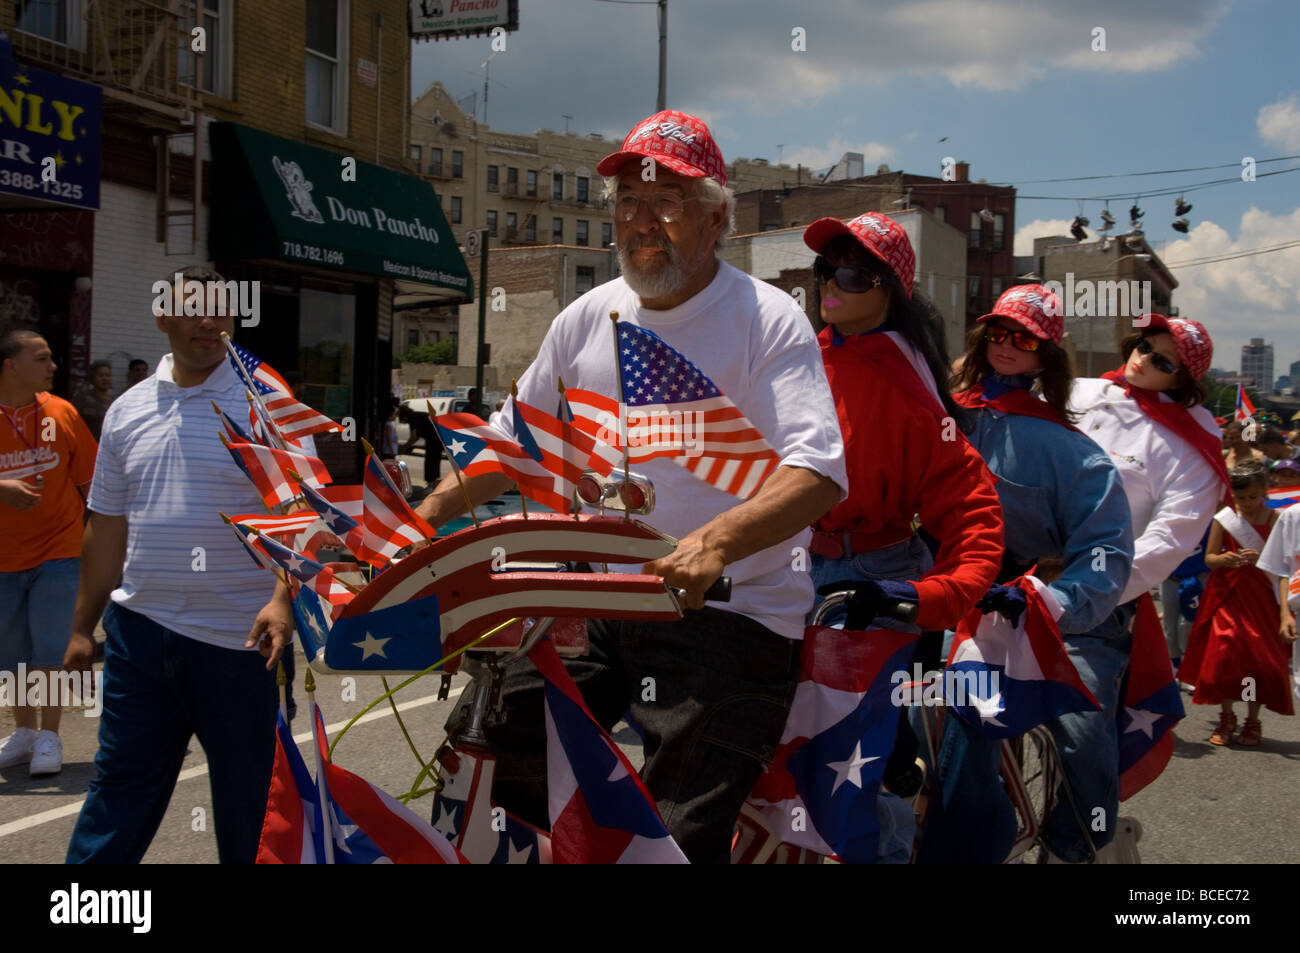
[
  {"x": 49, "y": 135},
  {"x": 439, "y": 18},
  {"x": 277, "y": 198}
]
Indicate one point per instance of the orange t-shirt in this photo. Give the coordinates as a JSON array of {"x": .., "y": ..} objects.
[{"x": 46, "y": 438}]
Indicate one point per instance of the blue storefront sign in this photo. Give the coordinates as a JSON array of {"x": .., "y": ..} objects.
[{"x": 49, "y": 134}]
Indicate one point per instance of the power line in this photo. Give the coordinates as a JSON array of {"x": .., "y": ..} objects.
[
  {"x": 1211, "y": 259},
  {"x": 1125, "y": 175}
]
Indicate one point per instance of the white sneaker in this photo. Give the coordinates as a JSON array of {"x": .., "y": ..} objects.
[
  {"x": 47, "y": 755},
  {"x": 17, "y": 748}
]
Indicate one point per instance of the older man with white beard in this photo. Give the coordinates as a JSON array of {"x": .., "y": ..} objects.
[{"x": 724, "y": 675}]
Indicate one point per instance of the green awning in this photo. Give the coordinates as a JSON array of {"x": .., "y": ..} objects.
[{"x": 276, "y": 198}]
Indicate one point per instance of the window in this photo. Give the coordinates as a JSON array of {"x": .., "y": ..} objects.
[
  {"x": 557, "y": 187},
  {"x": 999, "y": 231},
  {"x": 326, "y": 63},
  {"x": 413, "y": 337},
  {"x": 512, "y": 224},
  {"x": 973, "y": 288},
  {"x": 455, "y": 209},
  {"x": 530, "y": 229},
  {"x": 214, "y": 66},
  {"x": 606, "y": 234},
  {"x": 532, "y": 181},
  {"x": 941, "y": 212},
  {"x": 557, "y": 231},
  {"x": 433, "y": 336},
  {"x": 512, "y": 181},
  {"x": 435, "y": 161},
  {"x": 457, "y": 164},
  {"x": 583, "y": 187},
  {"x": 582, "y": 232},
  {"x": 492, "y": 179},
  {"x": 57, "y": 20},
  {"x": 584, "y": 279},
  {"x": 995, "y": 288},
  {"x": 974, "y": 240},
  {"x": 415, "y": 154},
  {"x": 492, "y": 222}
]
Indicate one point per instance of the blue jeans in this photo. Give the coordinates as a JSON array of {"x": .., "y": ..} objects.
[
  {"x": 36, "y": 613},
  {"x": 970, "y": 818},
  {"x": 723, "y": 685},
  {"x": 160, "y": 689}
]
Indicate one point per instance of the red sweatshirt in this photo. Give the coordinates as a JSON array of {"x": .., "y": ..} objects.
[{"x": 900, "y": 465}]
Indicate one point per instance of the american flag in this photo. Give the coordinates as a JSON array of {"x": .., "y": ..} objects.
[
  {"x": 559, "y": 446},
  {"x": 269, "y": 468},
  {"x": 476, "y": 448},
  {"x": 669, "y": 395},
  {"x": 291, "y": 418},
  {"x": 388, "y": 523}
]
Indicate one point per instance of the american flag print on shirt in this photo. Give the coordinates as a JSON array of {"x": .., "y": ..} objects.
[{"x": 675, "y": 411}]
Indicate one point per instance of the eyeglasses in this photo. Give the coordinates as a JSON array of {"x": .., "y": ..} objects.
[
  {"x": 1020, "y": 340},
  {"x": 850, "y": 280},
  {"x": 1158, "y": 360},
  {"x": 665, "y": 206}
]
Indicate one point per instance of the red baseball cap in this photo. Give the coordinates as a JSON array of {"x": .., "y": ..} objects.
[
  {"x": 879, "y": 234},
  {"x": 677, "y": 141},
  {"x": 1034, "y": 307},
  {"x": 1191, "y": 340}
]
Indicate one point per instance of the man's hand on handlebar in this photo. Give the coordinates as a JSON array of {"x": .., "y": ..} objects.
[
  {"x": 1009, "y": 601},
  {"x": 691, "y": 567}
]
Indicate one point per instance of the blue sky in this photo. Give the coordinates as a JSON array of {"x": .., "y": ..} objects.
[{"x": 1016, "y": 88}]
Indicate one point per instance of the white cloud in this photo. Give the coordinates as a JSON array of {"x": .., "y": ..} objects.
[
  {"x": 821, "y": 157},
  {"x": 1249, "y": 297},
  {"x": 1279, "y": 123}
]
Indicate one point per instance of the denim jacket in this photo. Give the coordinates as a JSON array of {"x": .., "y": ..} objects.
[{"x": 1062, "y": 497}]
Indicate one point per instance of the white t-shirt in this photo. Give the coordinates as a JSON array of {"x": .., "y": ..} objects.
[
  {"x": 163, "y": 467},
  {"x": 755, "y": 343},
  {"x": 1281, "y": 553},
  {"x": 1172, "y": 491}
]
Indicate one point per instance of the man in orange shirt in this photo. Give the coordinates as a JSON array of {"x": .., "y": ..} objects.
[{"x": 47, "y": 456}]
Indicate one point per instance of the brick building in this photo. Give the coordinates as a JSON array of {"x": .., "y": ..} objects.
[
  {"x": 984, "y": 214},
  {"x": 274, "y": 102}
]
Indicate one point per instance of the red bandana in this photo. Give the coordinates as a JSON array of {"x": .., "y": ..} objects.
[
  {"x": 1176, "y": 418},
  {"x": 1015, "y": 401}
]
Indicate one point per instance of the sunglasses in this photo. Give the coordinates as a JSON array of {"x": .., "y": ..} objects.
[
  {"x": 1158, "y": 360},
  {"x": 1020, "y": 340},
  {"x": 850, "y": 280},
  {"x": 665, "y": 206}
]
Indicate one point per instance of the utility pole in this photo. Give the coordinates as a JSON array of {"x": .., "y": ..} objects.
[{"x": 663, "y": 55}]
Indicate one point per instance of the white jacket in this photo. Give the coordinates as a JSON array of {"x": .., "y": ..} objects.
[{"x": 1172, "y": 491}]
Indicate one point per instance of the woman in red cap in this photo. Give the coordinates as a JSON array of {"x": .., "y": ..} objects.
[
  {"x": 906, "y": 455},
  {"x": 1062, "y": 504}
]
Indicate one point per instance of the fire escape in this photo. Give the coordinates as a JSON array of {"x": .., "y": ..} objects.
[{"x": 140, "y": 53}]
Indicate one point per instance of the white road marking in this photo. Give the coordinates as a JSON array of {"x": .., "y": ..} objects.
[{"x": 199, "y": 770}]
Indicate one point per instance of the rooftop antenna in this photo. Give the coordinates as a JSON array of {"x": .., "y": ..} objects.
[{"x": 566, "y": 122}]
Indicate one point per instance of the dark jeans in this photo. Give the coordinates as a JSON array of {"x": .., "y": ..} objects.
[
  {"x": 160, "y": 689},
  {"x": 710, "y": 695}
]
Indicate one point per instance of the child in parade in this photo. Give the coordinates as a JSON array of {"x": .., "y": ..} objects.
[
  {"x": 1062, "y": 499},
  {"x": 1281, "y": 559},
  {"x": 1235, "y": 652}
]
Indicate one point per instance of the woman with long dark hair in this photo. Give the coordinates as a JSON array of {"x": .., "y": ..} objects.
[{"x": 1062, "y": 504}]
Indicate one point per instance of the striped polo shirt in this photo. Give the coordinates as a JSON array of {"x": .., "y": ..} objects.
[{"x": 161, "y": 465}]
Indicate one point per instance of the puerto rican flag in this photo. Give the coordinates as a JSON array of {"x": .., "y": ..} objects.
[
  {"x": 1151, "y": 705},
  {"x": 318, "y": 577},
  {"x": 820, "y": 790},
  {"x": 1245, "y": 409},
  {"x": 600, "y": 811},
  {"x": 560, "y": 447},
  {"x": 476, "y": 447},
  {"x": 668, "y": 393},
  {"x": 289, "y": 418},
  {"x": 1279, "y": 498},
  {"x": 392, "y": 832},
  {"x": 339, "y": 519},
  {"x": 268, "y": 469},
  {"x": 291, "y": 828},
  {"x": 464, "y": 812},
  {"x": 1006, "y": 679},
  {"x": 387, "y": 521}
]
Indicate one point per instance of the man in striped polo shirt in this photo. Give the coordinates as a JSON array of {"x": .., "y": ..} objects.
[{"x": 188, "y": 652}]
